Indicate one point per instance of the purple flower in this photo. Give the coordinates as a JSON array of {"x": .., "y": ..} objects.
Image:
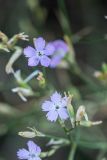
[
  {"x": 39, "y": 54},
  {"x": 56, "y": 107},
  {"x": 61, "y": 48},
  {"x": 32, "y": 153}
]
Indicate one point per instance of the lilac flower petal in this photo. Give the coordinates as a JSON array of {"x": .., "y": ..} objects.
[
  {"x": 29, "y": 51},
  {"x": 45, "y": 61},
  {"x": 33, "y": 148},
  {"x": 49, "y": 49},
  {"x": 39, "y": 43},
  {"x": 47, "y": 106},
  {"x": 30, "y": 158},
  {"x": 23, "y": 154},
  {"x": 52, "y": 116},
  {"x": 33, "y": 61},
  {"x": 55, "y": 61},
  {"x": 62, "y": 112},
  {"x": 56, "y": 97},
  {"x": 34, "y": 158},
  {"x": 60, "y": 44},
  {"x": 38, "y": 158}
]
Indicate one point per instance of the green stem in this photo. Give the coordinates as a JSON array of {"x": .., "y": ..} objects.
[
  {"x": 44, "y": 72},
  {"x": 64, "y": 18},
  {"x": 72, "y": 151},
  {"x": 65, "y": 129},
  {"x": 58, "y": 138},
  {"x": 48, "y": 153}
]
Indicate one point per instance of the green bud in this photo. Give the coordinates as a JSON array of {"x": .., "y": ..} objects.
[{"x": 70, "y": 110}]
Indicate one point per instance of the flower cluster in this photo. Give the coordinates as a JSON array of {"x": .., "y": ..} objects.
[
  {"x": 46, "y": 54},
  {"x": 57, "y": 107}
]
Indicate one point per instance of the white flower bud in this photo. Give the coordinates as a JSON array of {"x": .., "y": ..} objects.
[
  {"x": 81, "y": 113},
  {"x": 27, "y": 134}
]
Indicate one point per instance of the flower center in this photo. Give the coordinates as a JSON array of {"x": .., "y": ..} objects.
[
  {"x": 32, "y": 155},
  {"x": 57, "y": 107},
  {"x": 40, "y": 53}
]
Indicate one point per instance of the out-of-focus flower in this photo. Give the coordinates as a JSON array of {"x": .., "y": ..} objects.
[
  {"x": 39, "y": 54},
  {"x": 32, "y": 153},
  {"x": 56, "y": 107},
  {"x": 61, "y": 48}
]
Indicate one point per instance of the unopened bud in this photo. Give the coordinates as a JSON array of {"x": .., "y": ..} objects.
[
  {"x": 81, "y": 113},
  {"x": 70, "y": 110},
  {"x": 27, "y": 134}
]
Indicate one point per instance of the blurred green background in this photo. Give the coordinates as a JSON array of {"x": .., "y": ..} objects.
[{"x": 85, "y": 24}]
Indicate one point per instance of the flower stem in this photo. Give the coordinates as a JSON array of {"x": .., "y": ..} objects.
[
  {"x": 54, "y": 137},
  {"x": 65, "y": 129},
  {"x": 72, "y": 151},
  {"x": 32, "y": 75},
  {"x": 44, "y": 71}
]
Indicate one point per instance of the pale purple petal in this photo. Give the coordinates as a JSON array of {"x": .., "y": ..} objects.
[
  {"x": 33, "y": 61},
  {"x": 52, "y": 116},
  {"x": 30, "y": 158},
  {"x": 23, "y": 154},
  {"x": 45, "y": 61},
  {"x": 37, "y": 158},
  {"x": 55, "y": 61},
  {"x": 49, "y": 49},
  {"x": 33, "y": 148},
  {"x": 63, "y": 114},
  {"x": 47, "y": 106},
  {"x": 29, "y": 51},
  {"x": 56, "y": 97},
  {"x": 34, "y": 158},
  {"x": 60, "y": 44},
  {"x": 39, "y": 43}
]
